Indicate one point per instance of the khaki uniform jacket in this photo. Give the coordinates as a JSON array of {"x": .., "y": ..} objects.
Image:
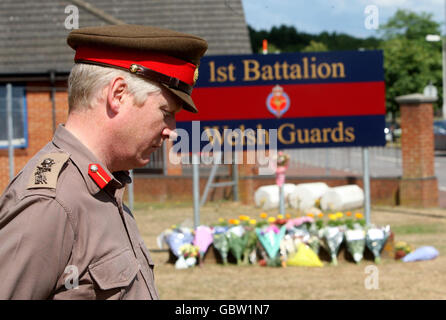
[{"x": 63, "y": 237}]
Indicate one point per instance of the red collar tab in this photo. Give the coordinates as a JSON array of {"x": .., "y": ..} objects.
[
  {"x": 167, "y": 65},
  {"x": 98, "y": 174}
]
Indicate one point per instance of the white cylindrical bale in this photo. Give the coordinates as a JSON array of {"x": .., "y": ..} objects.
[
  {"x": 267, "y": 197},
  {"x": 343, "y": 198},
  {"x": 305, "y": 195}
]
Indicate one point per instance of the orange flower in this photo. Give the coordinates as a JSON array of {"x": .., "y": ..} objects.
[
  {"x": 320, "y": 215},
  {"x": 288, "y": 216},
  {"x": 359, "y": 215},
  {"x": 348, "y": 214},
  {"x": 310, "y": 214},
  {"x": 263, "y": 215},
  {"x": 231, "y": 221}
]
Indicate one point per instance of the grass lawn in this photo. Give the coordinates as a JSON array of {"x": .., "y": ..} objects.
[{"x": 397, "y": 280}]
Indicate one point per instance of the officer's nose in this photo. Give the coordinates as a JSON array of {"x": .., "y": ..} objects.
[{"x": 168, "y": 133}]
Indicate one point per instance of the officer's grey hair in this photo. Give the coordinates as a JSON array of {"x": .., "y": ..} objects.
[{"x": 86, "y": 81}]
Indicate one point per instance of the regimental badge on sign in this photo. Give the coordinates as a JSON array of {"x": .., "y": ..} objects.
[{"x": 278, "y": 101}]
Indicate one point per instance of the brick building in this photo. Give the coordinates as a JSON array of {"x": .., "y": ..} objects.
[{"x": 36, "y": 60}]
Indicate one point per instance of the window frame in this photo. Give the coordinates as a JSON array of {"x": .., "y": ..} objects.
[{"x": 20, "y": 143}]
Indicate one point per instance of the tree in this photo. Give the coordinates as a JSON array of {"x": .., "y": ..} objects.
[
  {"x": 315, "y": 46},
  {"x": 409, "y": 24},
  {"x": 410, "y": 62},
  {"x": 288, "y": 39}
]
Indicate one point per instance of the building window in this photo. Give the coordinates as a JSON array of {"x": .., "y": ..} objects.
[{"x": 19, "y": 117}]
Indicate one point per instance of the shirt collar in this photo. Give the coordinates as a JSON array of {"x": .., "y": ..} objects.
[{"x": 82, "y": 157}]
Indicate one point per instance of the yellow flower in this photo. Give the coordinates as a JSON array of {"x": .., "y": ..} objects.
[
  {"x": 288, "y": 216},
  {"x": 236, "y": 221},
  {"x": 339, "y": 214},
  {"x": 279, "y": 216},
  {"x": 320, "y": 215},
  {"x": 221, "y": 220},
  {"x": 332, "y": 216},
  {"x": 310, "y": 214},
  {"x": 271, "y": 219},
  {"x": 263, "y": 215},
  {"x": 359, "y": 215},
  {"x": 243, "y": 218},
  {"x": 252, "y": 221}
]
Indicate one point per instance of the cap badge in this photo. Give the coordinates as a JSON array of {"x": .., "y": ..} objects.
[
  {"x": 195, "y": 75},
  {"x": 133, "y": 68}
]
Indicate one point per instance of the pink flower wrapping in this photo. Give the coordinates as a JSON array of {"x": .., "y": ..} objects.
[{"x": 203, "y": 238}]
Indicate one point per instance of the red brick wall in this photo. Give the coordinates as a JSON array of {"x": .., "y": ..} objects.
[
  {"x": 384, "y": 191},
  {"x": 40, "y": 127},
  {"x": 419, "y": 186},
  {"x": 417, "y": 140}
]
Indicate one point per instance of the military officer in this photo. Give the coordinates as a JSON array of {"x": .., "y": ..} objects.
[{"x": 64, "y": 231}]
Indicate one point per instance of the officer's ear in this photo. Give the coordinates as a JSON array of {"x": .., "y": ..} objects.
[{"x": 117, "y": 92}]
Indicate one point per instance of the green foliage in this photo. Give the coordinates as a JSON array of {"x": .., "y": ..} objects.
[
  {"x": 410, "y": 25},
  {"x": 410, "y": 62},
  {"x": 315, "y": 46},
  {"x": 288, "y": 39}
]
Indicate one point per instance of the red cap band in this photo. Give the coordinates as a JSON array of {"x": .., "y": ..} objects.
[{"x": 170, "y": 66}]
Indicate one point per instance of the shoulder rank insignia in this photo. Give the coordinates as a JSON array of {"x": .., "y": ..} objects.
[
  {"x": 47, "y": 171},
  {"x": 98, "y": 174}
]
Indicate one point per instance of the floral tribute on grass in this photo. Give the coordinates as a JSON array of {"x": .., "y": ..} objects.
[{"x": 279, "y": 241}]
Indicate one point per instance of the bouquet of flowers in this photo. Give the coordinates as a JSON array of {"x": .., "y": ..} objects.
[
  {"x": 175, "y": 238},
  {"x": 297, "y": 222},
  {"x": 314, "y": 243},
  {"x": 282, "y": 159},
  {"x": 236, "y": 242},
  {"x": 270, "y": 238},
  {"x": 376, "y": 239},
  {"x": 332, "y": 238},
  {"x": 402, "y": 249},
  {"x": 282, "y": 164},
  {"x": 355, "y": 243},
  {"x": 221, "y": 242},
  {"x": 188, "y": 258},
  {"x": 250, "y": 239},
  {"x": 305, "y": 257},
  {"x": 203, "y": 239}
]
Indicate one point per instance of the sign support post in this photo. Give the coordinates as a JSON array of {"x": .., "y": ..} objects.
[
  {"x": 281, "y": 200},
  {"x": 366, "y": 182},
  {"x": 196, "y": 187}
]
